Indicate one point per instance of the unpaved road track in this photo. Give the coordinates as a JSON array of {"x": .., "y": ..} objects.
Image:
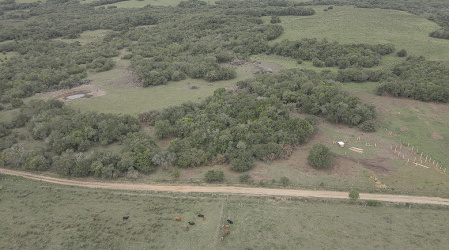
[{"x": 229, "y": 190}]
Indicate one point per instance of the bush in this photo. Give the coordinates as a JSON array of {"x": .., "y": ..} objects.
[
  {"x": 175, "y": 173},
  {"x": 285, "y": 181},
  {"x": 373, "y": 203},
  {"x": 320, "y": 156},
  {"x": 244, "y": 161},
  {"x": 402, "y": 53},
  {"x": 354, "y": 195},
  {"x": 368, "y": 126},
  {"x": 245, "y": 178},
  {"x": 214, "y": 176}
]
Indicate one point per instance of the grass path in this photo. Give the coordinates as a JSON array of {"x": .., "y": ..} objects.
[{"x": 230, "y": 190}]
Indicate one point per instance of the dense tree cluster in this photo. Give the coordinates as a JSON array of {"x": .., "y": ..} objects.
[
  {"x": 419, "y": 79},
  {"x": 313, "y": 94},
  {"x": 41, "y": 66},
  {"x": 228, "y": 127},
  {"x": 65, "y": 133},
  {"x": 329, "y": 54}
]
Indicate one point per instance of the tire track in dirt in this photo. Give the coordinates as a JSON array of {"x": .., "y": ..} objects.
[{"x": 229, "y": 190}]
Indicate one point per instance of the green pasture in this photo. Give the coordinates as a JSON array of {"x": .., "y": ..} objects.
[
  {"x": 288, "y": 63},
  {"x": 132, "y": 100},
  {"x": 38, "y": 215},
  {"x": 348, "y": 24},
  {"x": 88, "y": 36}
]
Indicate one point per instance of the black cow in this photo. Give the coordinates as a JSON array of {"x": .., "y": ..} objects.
[
  {"x": 201, "y": 215},
  {"x": 125, "y": 217},
  {"x": 230, "y": 221},
  {"x": 191, "y": 223}
]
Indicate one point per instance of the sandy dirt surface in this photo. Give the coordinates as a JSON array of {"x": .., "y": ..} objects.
[{"x": 229, "y": 190}]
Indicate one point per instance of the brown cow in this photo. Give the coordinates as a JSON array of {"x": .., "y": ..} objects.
[
  {"x": 178, "y": 218},
  {"x": 226, "y": 233},
  {"x": 226, "y": 226},
  {"x": 187, "y": 228},
  {"x": 204, "y": 218}
]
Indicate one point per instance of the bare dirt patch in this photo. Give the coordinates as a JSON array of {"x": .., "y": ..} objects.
[
  {"x": 88, "y": 91},
  {"x": 258, "y": 67},
  {"x": 437, "y": 136}
]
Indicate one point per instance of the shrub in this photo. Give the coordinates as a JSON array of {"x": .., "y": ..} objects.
[
  {"x": 245, "y": 178},
  {"x": 373, "y": 203},
  {"x": 320, "y": 156},
  {"x": 354, "y": 195},
  {"x": 402, "y": 53},
  {"x": 285, "y": 181},
  {"x": 214, "y": 176},
  {"x": 368, "y": 126},
  {"x": 175, "y": 173}
]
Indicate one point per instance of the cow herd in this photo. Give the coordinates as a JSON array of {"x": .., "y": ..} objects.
[{"x": 191, "y": 223}]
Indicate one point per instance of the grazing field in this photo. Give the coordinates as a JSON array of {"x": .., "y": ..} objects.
[
  {"x": 44, "y": 215},
  {"x": 347, "y": 24},
  {"x": 88, "y": 36}
]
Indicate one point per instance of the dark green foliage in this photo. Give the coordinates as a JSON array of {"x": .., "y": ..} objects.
[
  {"x": 325, "y": 53},
  {"x": 242, "y": 161},
  {"x": 401, "y": 53},
  {"x": 237, "y": 127},
  {"x": 214, "y": 176},
  {"x": 245, "y": 178},
  {"x": 275, "y": 19},
  {"x": 419, "y": 79},
  {"x": 368, "y": 126},
  {"x": 314, "y": 94},
  {"x": 320, "y": 156},
  {"x": 354, "y": 195},
  {"x": 285, "y": 181},
  {"x": 441, "y": 33},
  {"x": 373, "y": 203},
  {"x": 162, "y": 129}
]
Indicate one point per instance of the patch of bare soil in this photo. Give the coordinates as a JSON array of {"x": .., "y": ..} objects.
[
  {"x": 437, "y": 136},
  {"x": 258, "y": 67},
  {"x": 87, "y": 90}
]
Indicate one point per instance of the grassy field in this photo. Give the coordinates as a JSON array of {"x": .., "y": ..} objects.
[
  {"x": 88, "y": 36},
  {"x": 121, "y": 98},
  {"x": 347, "y": 24},
  {"x": 37, "y": 215}
]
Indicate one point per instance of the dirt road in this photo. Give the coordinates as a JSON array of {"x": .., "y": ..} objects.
[{"x": 229, "y": 190}]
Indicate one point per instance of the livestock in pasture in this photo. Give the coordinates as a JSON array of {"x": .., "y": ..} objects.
[
  {"x": 226, "y": 226},
  {"x": 125, "y": 217},
  {"x": 178, "y": 218},
  {"x": 201, "y": 215},
  {"x": 187, "y": 228},
  {"x": 230, "y": 221},
  {"x": 191, "y": 223},
  {"x": 204, "y": 218},
  {"x": 226, "y": 233}
]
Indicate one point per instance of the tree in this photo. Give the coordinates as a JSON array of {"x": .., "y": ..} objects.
[
  {"x": 354, "y": 195},
  {"x": 320, "y": 156},
  {"x": 164, "y": 159}
]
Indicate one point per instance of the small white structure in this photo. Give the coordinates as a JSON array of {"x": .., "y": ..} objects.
[{"x": 342, "y": 144}]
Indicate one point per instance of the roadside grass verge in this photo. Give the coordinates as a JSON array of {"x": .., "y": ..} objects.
[{"x": 45, "y": 215}]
